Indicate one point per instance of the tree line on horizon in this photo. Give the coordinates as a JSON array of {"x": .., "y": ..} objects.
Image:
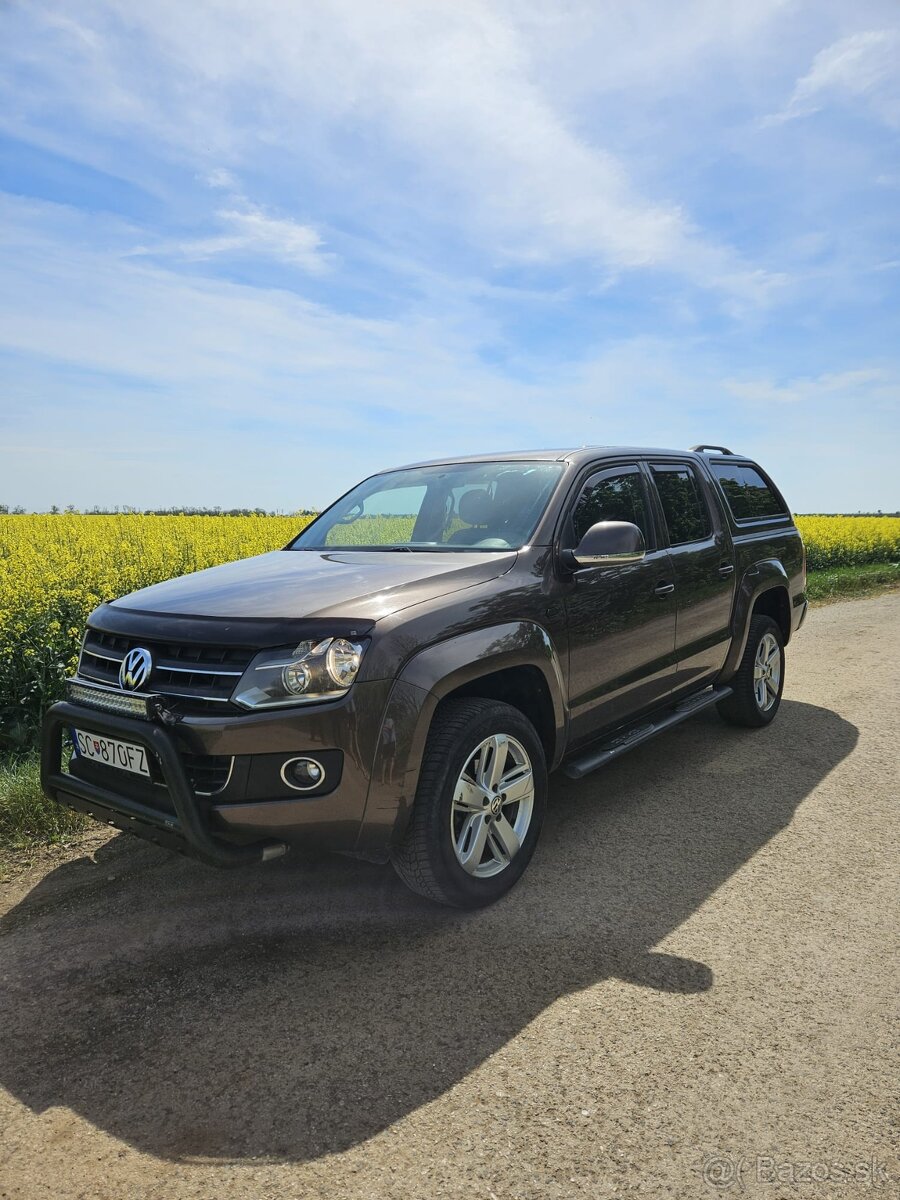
[{"x": 130, "y": 510}]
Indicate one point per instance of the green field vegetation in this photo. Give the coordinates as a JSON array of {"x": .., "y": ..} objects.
[
  {"x": 837, "y": 583},
  {"x": 56, "y": 568}
]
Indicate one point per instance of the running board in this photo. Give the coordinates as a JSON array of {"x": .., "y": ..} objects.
[{"x": 642, "y": 732}]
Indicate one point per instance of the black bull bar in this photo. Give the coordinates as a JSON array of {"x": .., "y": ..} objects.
[{"x": 187, "y": 830}]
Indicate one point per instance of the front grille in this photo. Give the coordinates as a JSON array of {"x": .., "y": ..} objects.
[
  {"x": 201, "y": 678},
  {"x": 208, "y": 773}
]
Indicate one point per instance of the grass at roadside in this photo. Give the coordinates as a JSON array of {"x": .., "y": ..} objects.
[
  {"x": 28, "y": 820},
  {"x": 837, "y": 583}
]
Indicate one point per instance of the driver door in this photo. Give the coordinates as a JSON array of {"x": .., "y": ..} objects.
[{"x": 621, "y": 618}]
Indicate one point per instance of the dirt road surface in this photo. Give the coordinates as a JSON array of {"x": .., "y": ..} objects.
[{"x": 695, "y": 984}]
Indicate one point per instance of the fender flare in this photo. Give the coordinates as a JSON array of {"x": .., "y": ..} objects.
[
  {"x": 426, "y": 679},
  {"x": 761, "y": 577}
]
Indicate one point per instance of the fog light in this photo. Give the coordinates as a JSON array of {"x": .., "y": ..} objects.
[{"x": 303, "y": 774}]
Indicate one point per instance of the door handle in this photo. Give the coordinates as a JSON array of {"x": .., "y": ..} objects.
[
  {"x": 664, "y": 589},
  {"x": 726, "y": 569}
]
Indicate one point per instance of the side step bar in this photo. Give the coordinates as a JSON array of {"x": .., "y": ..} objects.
[{"x": 642, "y": 732}]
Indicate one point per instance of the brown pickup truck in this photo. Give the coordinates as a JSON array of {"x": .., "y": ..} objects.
[{"x": 399, "y": 680}]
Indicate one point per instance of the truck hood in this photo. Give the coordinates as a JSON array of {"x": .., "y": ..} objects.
[{"x": 294, "y": 584}]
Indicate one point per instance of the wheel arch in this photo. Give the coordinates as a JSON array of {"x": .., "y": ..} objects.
[
  {"x": 775, "y": 602},
  {"x": 515, "y": 662},
  {"x": 523, "y": 687},
  {"x": 763, "y": 588}
]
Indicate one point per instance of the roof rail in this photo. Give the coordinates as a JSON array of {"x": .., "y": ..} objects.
[{"x": 721, "y": 449}]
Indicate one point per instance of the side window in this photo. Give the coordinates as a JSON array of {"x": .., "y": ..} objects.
[
  {"x": 683, "y": 505},
  {"x": 611, "y": 498},
  {"x": 746, "y": 491}
]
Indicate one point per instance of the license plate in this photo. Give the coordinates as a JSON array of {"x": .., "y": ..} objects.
[{"x": 111, "y": 752}]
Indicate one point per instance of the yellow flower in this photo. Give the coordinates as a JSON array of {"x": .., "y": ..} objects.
[{"x": 55, "y": 569}]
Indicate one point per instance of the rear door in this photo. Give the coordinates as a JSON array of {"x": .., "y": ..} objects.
[
  {"x": 703, "y": 565},
  {"x": 621, "y": 619}
]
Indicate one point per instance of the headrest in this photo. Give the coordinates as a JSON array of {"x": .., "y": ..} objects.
[
  {"x": 513, "y": 491},
  {"x": 475, "y": 507}
]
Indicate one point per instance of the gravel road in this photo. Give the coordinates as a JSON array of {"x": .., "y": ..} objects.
[{"x": 697, "y": 973}]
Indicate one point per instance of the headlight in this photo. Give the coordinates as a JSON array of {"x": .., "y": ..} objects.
[{"x": 312, "y": 671}]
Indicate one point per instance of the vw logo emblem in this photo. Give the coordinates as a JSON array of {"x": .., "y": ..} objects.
[{"x": 135, "y": 669}]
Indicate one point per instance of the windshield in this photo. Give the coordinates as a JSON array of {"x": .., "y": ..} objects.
[{"x": 464, "y": 506}]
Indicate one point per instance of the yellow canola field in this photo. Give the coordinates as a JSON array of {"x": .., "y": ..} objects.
[
  {"x": 55, "y": 569},
  {"x": 848, "y": 541}
]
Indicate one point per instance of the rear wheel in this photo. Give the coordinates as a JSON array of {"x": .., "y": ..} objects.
[
  {"x": 759, "y": 681},
  {"x": 479, "y": 805}
]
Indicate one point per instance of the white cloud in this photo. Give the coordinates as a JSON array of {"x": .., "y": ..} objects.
[
  {"x": 253, "y": 231},
  {"x": 449, "y": 94},
  {"x": 419, "y": 150},
  {"x": 206, "y": 345},
  {"x": 156, "y": 362},
  {"x": 208, "y": 341},
  {"x": 220, "y": 178},
  {"x": 864, "y": 66},
  {"x": 844, "y": 387}
]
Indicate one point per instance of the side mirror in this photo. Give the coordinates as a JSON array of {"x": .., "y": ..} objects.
[{"x": 607, "y": 544}]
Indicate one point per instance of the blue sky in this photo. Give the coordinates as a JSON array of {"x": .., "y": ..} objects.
[{"x": 255, "y": 251}]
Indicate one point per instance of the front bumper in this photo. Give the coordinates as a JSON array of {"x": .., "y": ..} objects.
[
  {"x": 242, "y": 823},
  {"x": 187, "y": 829}
]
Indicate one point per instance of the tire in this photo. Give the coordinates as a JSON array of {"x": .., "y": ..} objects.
[
  {"x": 765, "y": 647},
  {"x": 457, "y": 819}
]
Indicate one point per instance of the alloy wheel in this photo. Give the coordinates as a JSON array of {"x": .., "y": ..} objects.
[
  {"x": 493, "y": 801},
  {"x": 767, "y": 672}
]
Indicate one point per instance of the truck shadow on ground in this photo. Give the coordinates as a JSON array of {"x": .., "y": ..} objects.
[{"x": 297, "y": 1009}]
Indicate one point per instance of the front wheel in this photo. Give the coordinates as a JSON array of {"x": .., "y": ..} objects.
[
  {"x": 479, "y": 805},
  {"x": 759, "y": 681}
]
